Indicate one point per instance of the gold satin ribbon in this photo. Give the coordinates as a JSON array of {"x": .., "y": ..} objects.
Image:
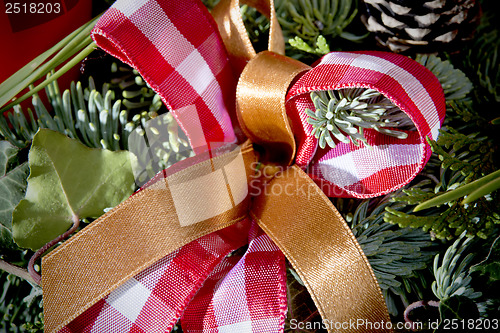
[
  {"x": 136, "y": 234},
  {"x": 291, "y": 209},
  {"x": 260, "y": 104},
  {"x": 227, "y": 15},
  {"x": 312, "y": 234}
]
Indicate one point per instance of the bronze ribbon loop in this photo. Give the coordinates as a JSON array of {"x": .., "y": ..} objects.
[
  {"x": 260, "y": 104},
  {"x": 292, "y": 210},
  {"x": 137, "y": 233},
  {"x": 312, "y": 234},
  {"x": 234, "y": 34}
]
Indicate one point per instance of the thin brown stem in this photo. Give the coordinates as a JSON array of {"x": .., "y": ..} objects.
[
  {"x": 17, "y": 271},
  {"x": 31, "y": 265},
  {"x": 414, "y": 306}
]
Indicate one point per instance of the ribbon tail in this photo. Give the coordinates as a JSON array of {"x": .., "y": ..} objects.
[
  {"x": 154, "y": 299},
  {"x": 319, "y": 244},
  {"x": 176, "y": 47},
  {"x": 244, "y": 294}
]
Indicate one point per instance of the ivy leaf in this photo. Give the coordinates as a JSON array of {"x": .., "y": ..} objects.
[
  {"x": 12, "y": 188},
  {"x": 458, "y": 308},
  {"x": 68, "y": 181},
  {"x": 6, "y": 240},
  {"x": 491, "y": 265},
  {"x": 7, "y": 152}
]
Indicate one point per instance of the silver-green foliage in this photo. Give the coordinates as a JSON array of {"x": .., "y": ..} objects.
[
  {"x": 455, "y": 84},
  {"x": 396, "y": 255},
  {"x": 452, "y": 273},
  {"x": 95, "y": 118},
  {"x": 345, "y": 113}
]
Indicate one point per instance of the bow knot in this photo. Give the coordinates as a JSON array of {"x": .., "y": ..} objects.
[
  {"x": 260, "y": 104},
  {"x": 173, "y": 237}
]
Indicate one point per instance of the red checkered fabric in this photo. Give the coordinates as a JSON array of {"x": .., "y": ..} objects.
[
  {"x": 216, "y": 292},
  {"x": 176, "y": 47},
  {"x": 244, "y": 294},
  {"x": 390, "y": 163}
]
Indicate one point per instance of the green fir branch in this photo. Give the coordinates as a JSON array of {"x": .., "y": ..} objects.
[
  {"x": 398, "y": 256},
  {"x": 20, "y": 305},
  {"x": 452, "y": 272},
  {"x": 462, "y": 159},
  {"x": 303, "y": 22},
  {"x": 345, "y": 113},
  {"x": 481, "y": 60}
]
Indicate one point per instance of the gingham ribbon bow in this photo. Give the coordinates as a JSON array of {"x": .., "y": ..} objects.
[{"x": 176, "y": 47}]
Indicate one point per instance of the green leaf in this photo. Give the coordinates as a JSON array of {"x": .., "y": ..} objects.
[
  {"x": 68, "y": 181},
  {"x": 6, "y": 241},
  {"x": 491, "y": 265},
  {"x": 12, "y": 188},
  {"x": 7, "y": 152},
  {"x": 457, "y": 307}
]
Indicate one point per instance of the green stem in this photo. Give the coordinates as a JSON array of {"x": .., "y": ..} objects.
[
  {"x": 482, "y": 191},
  {"x": 34, "y": 70},
  {"x": 79, "y": 57},
  {"x": 25, "y": 71},
  {"x": 461, "y": 191}
]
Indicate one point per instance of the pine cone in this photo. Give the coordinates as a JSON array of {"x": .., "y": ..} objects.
[{"x": 422, "y": 26}]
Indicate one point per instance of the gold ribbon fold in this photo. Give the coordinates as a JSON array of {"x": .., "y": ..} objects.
[
  {"x": 136, "y": 234},
  {"x": 312, "y": 234},
  {"x": 260, "y": 104},
  {"x": 291, "y": 209},
  {"x": 227, "y": 15}
]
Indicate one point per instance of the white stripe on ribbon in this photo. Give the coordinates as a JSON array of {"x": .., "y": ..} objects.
[
  {"x": 196, "y": 71},
  {"x": 413, "y": 87},
  {"x": 230, "y": 298},
  {"x": 343, "y": 170},
  {"x": 180, "y": 54},
  {"x": 128, "y": 300},
  {"x": 129, "y": 7},
  {"x": 241, "y": 327}
]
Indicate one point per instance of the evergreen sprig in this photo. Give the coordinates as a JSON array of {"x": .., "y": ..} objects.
[
  {"x": 456, "y": 85},
  {"x": 463, "y": 158},
  {"x": 452, "y": 273},
  {"x": 481, "y": 60},
  {"x": 397, "y": 256},
  {"x": 307, "y": 20},
  {"x": 20, "y": 305},
  {"x": 93, "y": 117},
  {"x": 344, "y": 113},
  {"x": 464, "y": 112},
  {"x": 99, "y": 120}
]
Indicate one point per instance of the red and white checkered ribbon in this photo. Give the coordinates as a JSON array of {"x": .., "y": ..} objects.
[
  {"x": 176, "y": 47},
  {"x": 390, "y": 163},
  {"x": 212, "y": 291}
]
